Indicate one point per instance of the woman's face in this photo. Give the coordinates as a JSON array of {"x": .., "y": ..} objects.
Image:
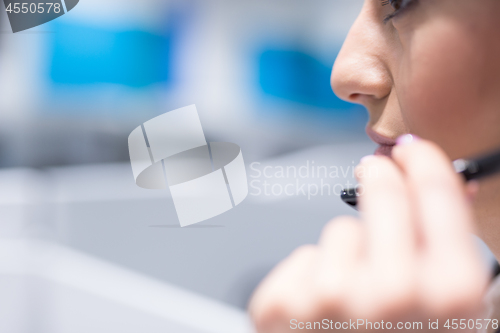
[{"x": 433, "y": 70}]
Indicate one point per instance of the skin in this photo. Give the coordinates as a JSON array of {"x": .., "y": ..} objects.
[{"x": 433, "y": 71}]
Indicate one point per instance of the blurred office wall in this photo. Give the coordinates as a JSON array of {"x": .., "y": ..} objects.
[{"x": 72, "y": 90}]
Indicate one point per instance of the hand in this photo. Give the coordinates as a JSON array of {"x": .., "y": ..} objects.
[{"x": 409, "y": 258}]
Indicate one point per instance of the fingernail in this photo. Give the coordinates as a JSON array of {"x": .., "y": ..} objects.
[
  {"x": 367, "y": 158},
  {"x": 406, "y": 139}
]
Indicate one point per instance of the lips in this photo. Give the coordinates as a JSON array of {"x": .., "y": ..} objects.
[
  {"x": 385, "y": 144},
  {"x": 384, "y": 150}
]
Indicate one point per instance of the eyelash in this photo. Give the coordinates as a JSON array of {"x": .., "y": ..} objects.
[{"x": 401, "y": 5}]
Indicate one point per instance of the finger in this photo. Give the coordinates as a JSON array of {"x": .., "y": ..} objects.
[
  {"x": 438, "y": 194},
  {"x": 284, "y": 293},
  {"x": 385, "y": 207},
  {"x": 340, "y": 253},
  {"x": 341, "y": 242},
  {"x": 452, "y": 274}
]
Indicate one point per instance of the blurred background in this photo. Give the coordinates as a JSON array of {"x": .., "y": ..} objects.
[
  {"x": 82, "y": 249},
  {"x": 72, "y": 89}
]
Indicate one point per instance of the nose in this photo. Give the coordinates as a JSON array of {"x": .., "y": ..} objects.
[{"x": 360, "y": 73}]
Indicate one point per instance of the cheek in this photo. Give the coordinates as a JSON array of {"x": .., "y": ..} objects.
[{"x": 439, "y": 87}]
